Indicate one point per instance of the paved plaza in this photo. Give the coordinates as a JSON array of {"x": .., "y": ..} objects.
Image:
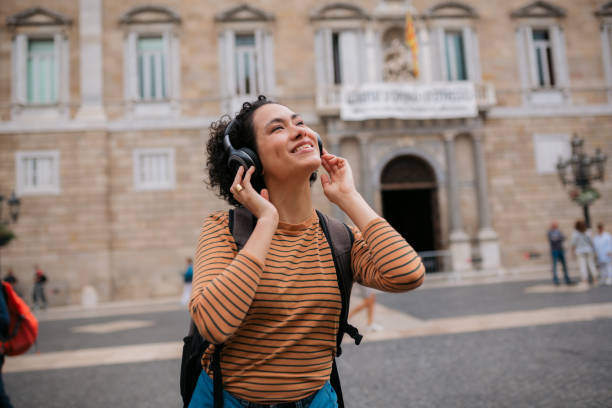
[{"x": 509, "y": 342}]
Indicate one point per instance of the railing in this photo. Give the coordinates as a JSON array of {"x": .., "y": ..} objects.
[
  {"x": 329, "y": 97},
  {"x": 436, "y": 261}
]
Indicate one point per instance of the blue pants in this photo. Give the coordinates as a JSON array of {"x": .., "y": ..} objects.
[
  {"x": 559, "y": 256},
  {"x": 203, "y": 396}
]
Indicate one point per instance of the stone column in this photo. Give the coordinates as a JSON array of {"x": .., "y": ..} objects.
[
  {"x": 90, "y": 36},
  {"x": 459, "y": 241},
  {"x": 487, "y": 238},
  {"x": 337, "y": 213},
  {"x": 364, "y": 172}
]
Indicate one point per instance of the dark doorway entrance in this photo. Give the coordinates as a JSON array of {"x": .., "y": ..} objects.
[
  {"x": 409, "y": 193},
  {"x": 409, "y": 212}
]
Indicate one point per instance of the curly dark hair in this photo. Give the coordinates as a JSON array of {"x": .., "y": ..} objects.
[{"x": 242, "y": 135}]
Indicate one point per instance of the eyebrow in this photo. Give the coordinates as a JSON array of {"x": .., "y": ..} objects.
[{"x": 279, "y": 120}]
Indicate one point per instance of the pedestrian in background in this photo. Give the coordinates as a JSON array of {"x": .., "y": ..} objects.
[
  {"x": 368, "y": 302},
  {"x": 603, "y": 248},
  {"x": 38, "y": 293},
  {"x": 187, "y": 278},
  {"x": 555, "y": 239},
  {"x": 583, "y": 248},
  {"x": 10, "y": 277}
]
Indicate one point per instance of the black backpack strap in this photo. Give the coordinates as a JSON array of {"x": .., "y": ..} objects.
[
  {"x": 340, "y": 239},
  {"x": 241, "y": 225},
  {"x": 215, "y": 364}
]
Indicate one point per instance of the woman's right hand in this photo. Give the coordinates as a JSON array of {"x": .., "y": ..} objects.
[{"x": 258, "y": 204}]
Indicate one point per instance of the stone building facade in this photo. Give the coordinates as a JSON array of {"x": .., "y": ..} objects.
[{"x": 105, "y": 107}]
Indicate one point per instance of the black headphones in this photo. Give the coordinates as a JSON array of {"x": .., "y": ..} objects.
[{"x": 246, "y": 157}]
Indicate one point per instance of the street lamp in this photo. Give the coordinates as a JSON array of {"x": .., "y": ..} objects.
[{"x": 584, "y": 170}]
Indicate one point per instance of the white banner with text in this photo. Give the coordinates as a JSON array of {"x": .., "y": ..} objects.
[{"x": 408, "y": 101}]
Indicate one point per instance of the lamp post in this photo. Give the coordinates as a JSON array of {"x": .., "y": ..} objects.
[
  {"x": 6, "y": 235},
  {"x": 584, "y": 169}
]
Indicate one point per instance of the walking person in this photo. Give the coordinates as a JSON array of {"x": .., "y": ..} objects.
[
  {"x": 38, "y": 292},
  {"x": 368, "y": 303},
  {"x": 555, "y": 239},
  {"x": 603, "y": 247},
  {"x": 187, "y": 278},
  {"x": 274, "y": 305},
  {"x": 4, "y": 332},
  {"x": 583, "y": 248}
]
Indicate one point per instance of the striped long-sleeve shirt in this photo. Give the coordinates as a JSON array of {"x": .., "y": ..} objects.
[{"x": 279, "y": 320}]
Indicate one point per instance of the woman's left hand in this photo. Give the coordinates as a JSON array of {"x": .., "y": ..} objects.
[{"x": 338, "y": 184}]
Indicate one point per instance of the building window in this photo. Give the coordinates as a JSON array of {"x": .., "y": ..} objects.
[
  {"x": 246, "y": 64},
  {"x": 151, "y": 68},
  {"x": 246, "y": 55},
  {"x": 40, "y": 64},
  {"x": 455, "y": 56},
  {"x": 42, "y": 73},
  {"x": 151, "y": 61},
  {"x": 548, "y": 148},
  {"x": 37, "y": 172},
  {"x": 336, "y": 58},
  {"x": 154, "y": 169},
  {"x": 544, "y": 58}
]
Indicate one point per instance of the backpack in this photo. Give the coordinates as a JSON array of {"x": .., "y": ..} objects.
[
  {"x": 23, "y": 326},
  {"x": 241, "y": 224}
]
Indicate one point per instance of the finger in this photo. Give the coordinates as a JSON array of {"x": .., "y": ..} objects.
[
  {"x": 324, "y": 180},
  {"x": 238, "y": 176},
  {"x": 326, "y": 166},
  {"x": 246, "y": 181},
  {"x": 265, "y": 194},
  {"x": 237, "y": 180}
]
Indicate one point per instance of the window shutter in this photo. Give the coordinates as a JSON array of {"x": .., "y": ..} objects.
[
  {"x": 378, "y": 57},
  {"x": 227, "y": 66},
  {"x": 270, "y": 71},
  {"x": 166, "y": 80},
  {"x": 606, "y": 32},
  {"x": 57, "y": 62},
  {"x": 64, "y": 75},
  {"x": 559, "y": 56},
  {"x": 260, "y": 62},
  {"x": 131, "y": 67},
  {"x": 174, "y": 64},
  {"x": 20, "y": 62},
  {"x": 527, "y": 69},
  {"x": 349, "y": 57},
  {"x": 472, "y": 54},
  {"x": 436, "y": 39},
  {"x": 323, "y": 59}
]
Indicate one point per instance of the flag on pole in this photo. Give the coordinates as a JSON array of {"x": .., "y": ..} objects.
[{"x": 411, "y": 42}]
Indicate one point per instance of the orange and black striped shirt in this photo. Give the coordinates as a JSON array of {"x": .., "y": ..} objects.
[{"x": 279, "y": 320}]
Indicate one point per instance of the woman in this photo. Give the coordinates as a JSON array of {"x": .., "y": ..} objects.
[
  {"x": 275, "y": 304},
  {"x": 584, "y": 251}
]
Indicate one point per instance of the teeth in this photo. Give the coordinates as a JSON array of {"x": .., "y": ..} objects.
[{"x": 304, "y": 146}]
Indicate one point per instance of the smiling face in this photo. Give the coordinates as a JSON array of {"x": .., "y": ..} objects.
[{"x": 287, "y": 148}]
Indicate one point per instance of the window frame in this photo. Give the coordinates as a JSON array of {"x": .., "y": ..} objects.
[
  {"x": 437, "y": 32},
  {"x": 151, "y": 21},
  {"x": 21, "y": 108},
  {"x": 142, "y": 185},
  {"x": 22, "y": 188}
]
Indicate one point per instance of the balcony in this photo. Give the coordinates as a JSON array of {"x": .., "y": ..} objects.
[{"x": 329, "y": 98}]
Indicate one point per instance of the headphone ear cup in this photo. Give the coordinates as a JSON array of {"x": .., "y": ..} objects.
[{"x": 254, "y": 160}]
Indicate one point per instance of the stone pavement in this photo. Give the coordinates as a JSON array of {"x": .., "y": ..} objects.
[{"x": 508, "y": 327}]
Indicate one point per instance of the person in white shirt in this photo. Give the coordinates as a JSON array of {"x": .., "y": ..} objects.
[
  {"x": 603, "y": 247},
  {"x": 585, "y": 252}
]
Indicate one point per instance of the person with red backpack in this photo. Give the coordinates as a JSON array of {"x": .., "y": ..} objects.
[
  {"x": 4, "y": 332},
  {"x": 272, "y": 310}
]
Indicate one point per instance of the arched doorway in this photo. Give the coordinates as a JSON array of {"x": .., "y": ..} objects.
[{"x": 409, "y": 192}]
